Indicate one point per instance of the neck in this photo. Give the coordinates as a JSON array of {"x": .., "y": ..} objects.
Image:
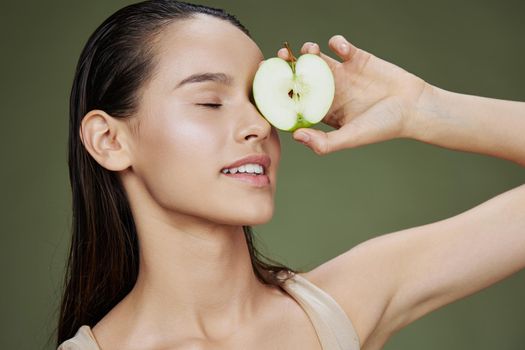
[
  {"x": 194, "y": 275},
  {"x": 198, "y": 274}
]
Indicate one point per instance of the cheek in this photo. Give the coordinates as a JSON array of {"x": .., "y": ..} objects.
[
  {"x": 177, "y": 157},
  {"x": 178, "y": 160},
  {"x": 179, "y": 141}
]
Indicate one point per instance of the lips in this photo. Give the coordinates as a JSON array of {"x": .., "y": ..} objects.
[
  {"x": 261, "y": 159},
  {"x": 252, "y": 179}
]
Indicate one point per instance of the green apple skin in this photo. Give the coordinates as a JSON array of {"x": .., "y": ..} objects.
[
  {"x": 313, "y": 89},
  {"x": 301, "y": 123}
]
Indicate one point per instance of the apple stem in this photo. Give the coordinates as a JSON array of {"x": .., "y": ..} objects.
[{"x": 293, "y": 59}]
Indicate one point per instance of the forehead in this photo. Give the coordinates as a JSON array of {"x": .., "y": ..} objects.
[{"x": 206, "y": 44}]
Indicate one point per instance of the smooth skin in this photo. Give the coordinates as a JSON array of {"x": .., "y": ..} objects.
[{"x": 389, "y": 281}]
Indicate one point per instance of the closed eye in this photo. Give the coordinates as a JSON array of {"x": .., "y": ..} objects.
[{"x": 210, "y": 105}]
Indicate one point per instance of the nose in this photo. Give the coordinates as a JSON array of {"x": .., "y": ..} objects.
[{"x": 253, "y": 125}]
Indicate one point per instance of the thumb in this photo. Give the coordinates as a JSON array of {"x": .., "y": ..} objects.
[
  {"x": 377, "y": 124},
  {"x": 327, "y": 142}
]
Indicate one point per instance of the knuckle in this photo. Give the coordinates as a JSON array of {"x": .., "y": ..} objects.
[{"x": 322, "y": 148}]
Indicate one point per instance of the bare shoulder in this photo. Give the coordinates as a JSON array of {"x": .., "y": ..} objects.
[{"x": 360, "y": 283}]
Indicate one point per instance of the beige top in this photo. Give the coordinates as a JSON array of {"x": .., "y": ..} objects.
[{"x": 334, "y": 329}]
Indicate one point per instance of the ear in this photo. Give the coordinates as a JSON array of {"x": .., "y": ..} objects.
[{"x": 106, "y": 139}]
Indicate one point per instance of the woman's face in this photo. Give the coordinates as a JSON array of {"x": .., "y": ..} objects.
[{"x": 182, "y": 146}]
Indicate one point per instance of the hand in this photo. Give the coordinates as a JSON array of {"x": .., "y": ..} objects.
[{"x": 374, "y": 100}]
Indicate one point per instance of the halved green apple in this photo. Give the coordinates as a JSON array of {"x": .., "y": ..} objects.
[{"x": 296, "y": 94}]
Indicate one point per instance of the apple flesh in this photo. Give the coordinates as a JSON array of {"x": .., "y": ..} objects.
[{"x": 294, "y": 95}]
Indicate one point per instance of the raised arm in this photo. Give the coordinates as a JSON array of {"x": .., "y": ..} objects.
[
  {"x": 470, "y": 123},
  {"x": 389, "y": 281}
]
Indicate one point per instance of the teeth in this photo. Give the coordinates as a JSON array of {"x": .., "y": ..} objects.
[{"x": 246, "y": 168}]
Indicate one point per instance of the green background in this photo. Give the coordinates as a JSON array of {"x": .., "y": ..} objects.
[{"x": 324, "y": 205}]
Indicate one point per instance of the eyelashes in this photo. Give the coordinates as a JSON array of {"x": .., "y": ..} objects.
[{"x": 210, "y": 105}]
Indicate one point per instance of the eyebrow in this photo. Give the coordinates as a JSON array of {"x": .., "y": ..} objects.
[{"x": 221, "y": 78}]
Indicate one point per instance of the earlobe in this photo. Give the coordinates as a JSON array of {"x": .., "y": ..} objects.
[{"x": 104, "y": 137}]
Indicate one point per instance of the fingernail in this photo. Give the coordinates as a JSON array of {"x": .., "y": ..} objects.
[
  {"x": 343, "y": 47},
  {"x": 303, "y": 137}
]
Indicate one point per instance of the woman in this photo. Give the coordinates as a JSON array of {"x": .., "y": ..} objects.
[{"x": 162, "y": 253}]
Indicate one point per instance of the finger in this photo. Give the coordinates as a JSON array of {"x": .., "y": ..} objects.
[
  {"x": 331, "y": 62},
  {"x": 310, "y": 47},
  {"x": 313, "y": 48},
  {"x": 363, "y": 129},
  {"x": 342, "y": 47},
  {"x": 283, "y": 53},
  {"x": 324, "y": 142},
  {"x": 307, "y": 47}
]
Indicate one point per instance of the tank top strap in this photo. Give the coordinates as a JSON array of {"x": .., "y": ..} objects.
[
  {"x": 334, "y": 329},
  {"x": 83, "y": 340}
]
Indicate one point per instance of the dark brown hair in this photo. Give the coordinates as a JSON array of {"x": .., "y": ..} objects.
[{"x": 103, "y": 259}]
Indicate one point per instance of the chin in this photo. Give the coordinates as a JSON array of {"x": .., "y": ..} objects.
[
  {"x": 256, "y": 215},
  {"x": 262, "y": 221}
]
